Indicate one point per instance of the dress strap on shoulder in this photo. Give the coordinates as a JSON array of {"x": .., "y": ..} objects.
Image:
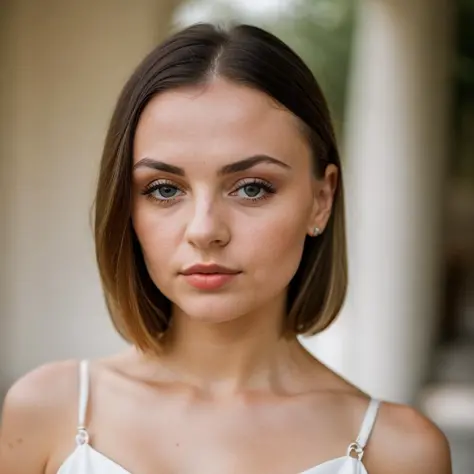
[
  {"x": 368, "y": 423},
  {"x": 82, "y": 436},
  {"x": 83, "y": 392}
]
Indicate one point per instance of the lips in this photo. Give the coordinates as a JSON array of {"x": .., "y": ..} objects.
[
  {"x": 209, "y": 269},
  {"x": 209, "y": 277}
]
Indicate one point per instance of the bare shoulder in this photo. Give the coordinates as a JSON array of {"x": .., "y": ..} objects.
[
  {"x": 406, "y": 441},
  {"x": 403, "y": 439},
  {"x": 36, "y": 410}
]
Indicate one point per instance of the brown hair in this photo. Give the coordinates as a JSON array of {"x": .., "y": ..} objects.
[{"x": 246, "y": 55}]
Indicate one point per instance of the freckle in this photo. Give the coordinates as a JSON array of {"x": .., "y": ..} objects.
[
  {"x": 19, "y": 441},
  {"x": 177, "y": 445}
]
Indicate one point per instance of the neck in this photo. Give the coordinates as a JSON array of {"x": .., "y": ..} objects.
[{"x": 246, "y": 353}]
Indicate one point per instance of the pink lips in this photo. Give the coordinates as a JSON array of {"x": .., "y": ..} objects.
[{"x": 208, "y": 277}]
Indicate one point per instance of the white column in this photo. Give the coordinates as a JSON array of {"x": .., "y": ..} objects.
[{"x": 395, "y": 150}]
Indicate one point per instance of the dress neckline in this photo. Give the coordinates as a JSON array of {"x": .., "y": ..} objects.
[
  {"x": 93, "y": 456},
  {"x": 353, "y": 456}
]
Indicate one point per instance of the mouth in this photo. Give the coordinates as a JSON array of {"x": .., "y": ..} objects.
[
  {"x": 209, "y": 277},
  {"x": 209, "y": 269}
]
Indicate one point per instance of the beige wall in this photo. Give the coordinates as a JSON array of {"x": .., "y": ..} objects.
[{"x": 65, "y": 62}]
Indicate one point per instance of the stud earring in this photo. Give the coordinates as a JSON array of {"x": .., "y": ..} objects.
[{"x": 316, "y": 232}]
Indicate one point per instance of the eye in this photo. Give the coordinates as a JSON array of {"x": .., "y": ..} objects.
[
  {"x": 253, "y": 189},
  {"x": 165, "y": 191},
  {"x": 162, "y": 190}
]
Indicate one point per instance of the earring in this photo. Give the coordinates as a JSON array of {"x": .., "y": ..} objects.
[{"x": 316, "y": 232}]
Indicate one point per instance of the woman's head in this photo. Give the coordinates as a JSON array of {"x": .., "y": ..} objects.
[{"x": 220, "y": 152}]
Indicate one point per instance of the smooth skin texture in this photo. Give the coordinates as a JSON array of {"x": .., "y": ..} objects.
[{"x": 228, "y": 394}]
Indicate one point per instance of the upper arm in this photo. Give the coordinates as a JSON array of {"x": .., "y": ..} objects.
[
  {"x": 29, "y": 421},
  {"x": 408, "y": 442},
  {"x": 426, "y": 448}
]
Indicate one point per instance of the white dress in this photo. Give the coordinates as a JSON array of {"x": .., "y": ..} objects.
[{"x": 86, "y": 460}]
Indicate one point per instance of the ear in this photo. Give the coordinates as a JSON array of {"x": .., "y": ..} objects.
[{"x": 324, "y": 191}]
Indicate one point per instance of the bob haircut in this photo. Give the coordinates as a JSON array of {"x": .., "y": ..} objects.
[{"x": 195, "y": 55}]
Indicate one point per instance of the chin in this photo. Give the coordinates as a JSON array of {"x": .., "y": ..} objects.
[{"x": 212, "y": 308}]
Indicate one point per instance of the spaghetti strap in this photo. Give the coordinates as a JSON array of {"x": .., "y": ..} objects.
[
  {"x": 82, "y": 436},
  {"x": 368, "y": 423}
]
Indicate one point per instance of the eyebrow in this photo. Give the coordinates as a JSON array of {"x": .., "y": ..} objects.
[
  {"x": 236, "y": 167},
  {"x": 159, "y": 166}
]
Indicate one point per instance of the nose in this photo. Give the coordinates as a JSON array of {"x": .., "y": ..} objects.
[{"x": 207, "y": 227}]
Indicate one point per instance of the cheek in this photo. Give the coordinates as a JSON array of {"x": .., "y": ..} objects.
[
  {"x": 157, "y": 237},
  {"x": 276, "y": 247}
]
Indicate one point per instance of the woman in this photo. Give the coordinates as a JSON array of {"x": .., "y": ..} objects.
[{"x": 220, "y": 238}]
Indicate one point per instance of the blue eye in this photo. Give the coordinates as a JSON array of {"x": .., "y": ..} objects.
[
  {"x": 165, "y": 191},
  {"x": 253, "y": 189},
  {"x": 162, "y": 191}
]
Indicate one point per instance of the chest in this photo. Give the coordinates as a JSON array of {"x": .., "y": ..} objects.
[{"x": 182, "y": 437}]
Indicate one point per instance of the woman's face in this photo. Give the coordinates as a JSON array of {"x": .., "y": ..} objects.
[{"x": 223, "y": 197}]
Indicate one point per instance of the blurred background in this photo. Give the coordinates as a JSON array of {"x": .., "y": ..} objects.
[{"x": 399, "y": 77}]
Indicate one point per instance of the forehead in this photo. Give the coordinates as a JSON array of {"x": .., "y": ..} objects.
[{"x": 220, "y": 120}]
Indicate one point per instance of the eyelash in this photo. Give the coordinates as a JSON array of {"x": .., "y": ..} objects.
[{"x": 266, "y": 186}]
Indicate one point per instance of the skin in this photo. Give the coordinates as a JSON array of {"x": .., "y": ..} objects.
[{"x": 228, "y": 394}]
